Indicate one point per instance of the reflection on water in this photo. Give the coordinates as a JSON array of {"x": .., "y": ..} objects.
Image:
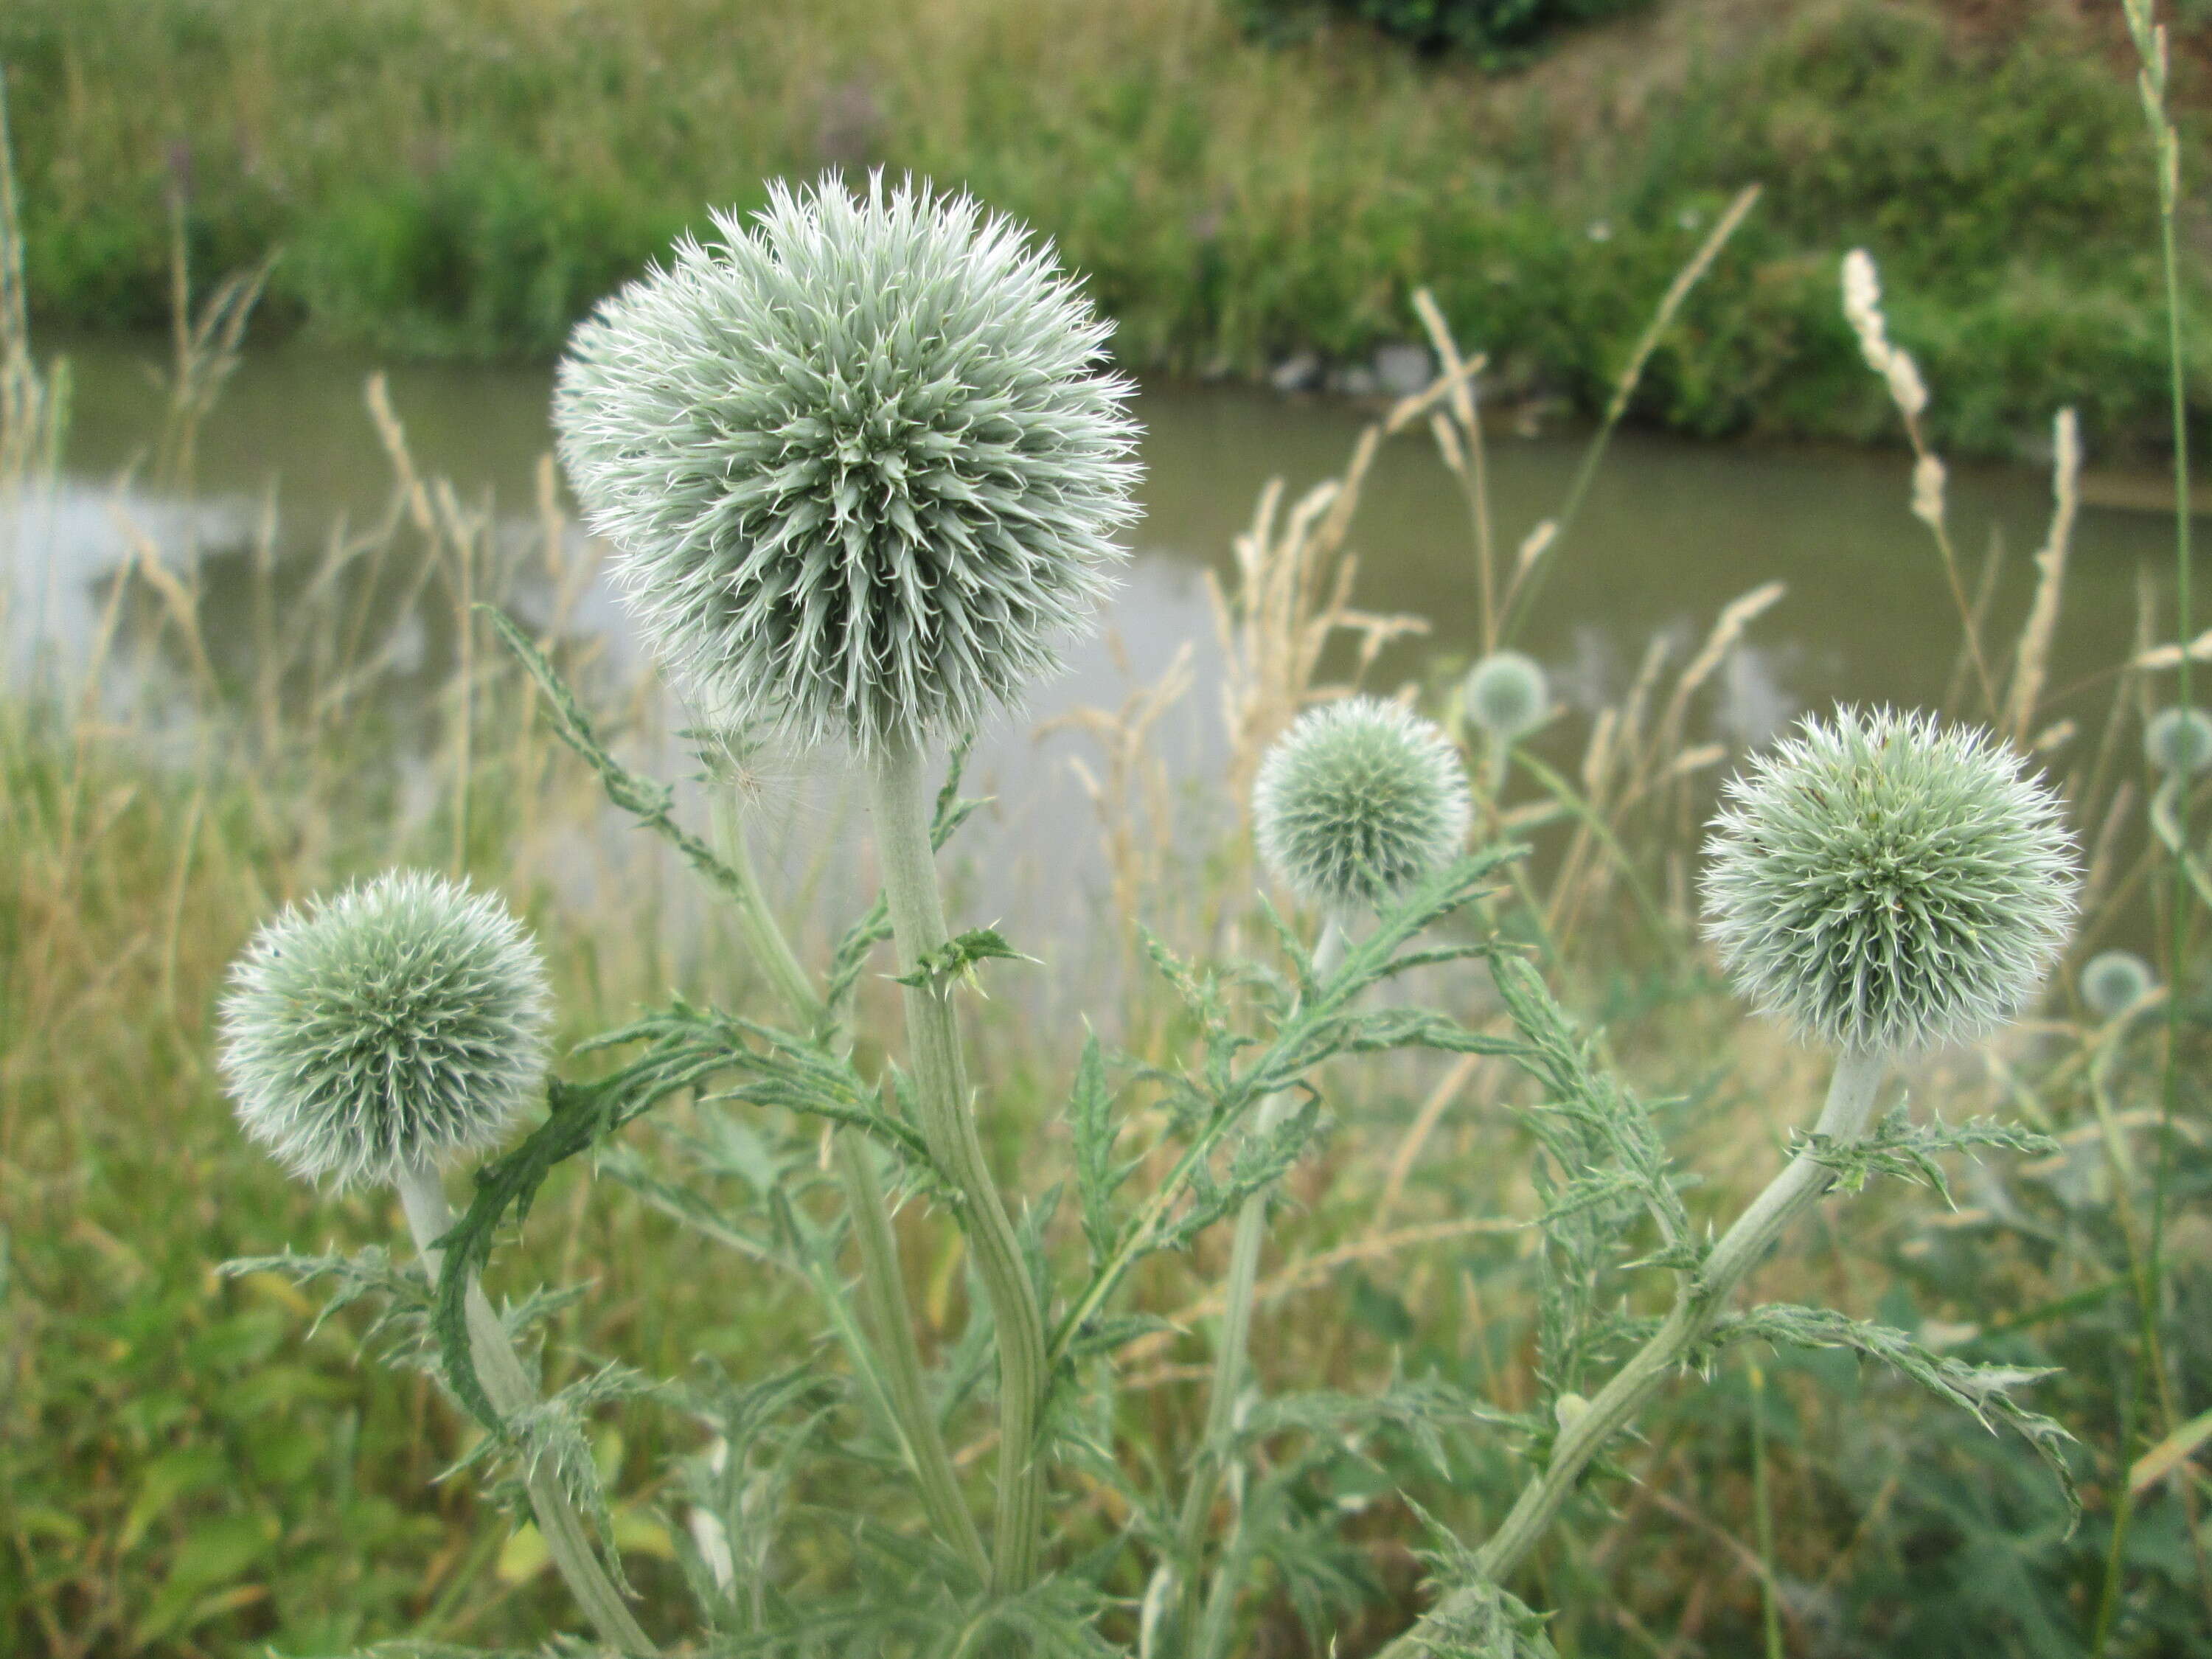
[{"x": 1670, "y": 533}]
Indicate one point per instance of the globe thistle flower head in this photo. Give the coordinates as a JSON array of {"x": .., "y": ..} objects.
[
  {"x": 2178, "y": 740},
  {"x": 1507, "y": 695},
  {"x": 397, "y": 1023},
  {"x": 1884, "y": 884},
  {"x": 2113, "y": 982},
  {"x": 859, "y": 461},
  {"x": 1358, "y": 800}
]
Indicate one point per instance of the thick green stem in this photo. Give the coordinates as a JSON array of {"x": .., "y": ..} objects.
[
  {"x": 890, "y": 1323},
  {"x": 1843, "y": 1119},
  {"x": 948, "y": 1126},
  {"x": 510, "y": 1389},
  {"x": 885, "y": 1310},
  {"x": 1230, "y": 1360}
]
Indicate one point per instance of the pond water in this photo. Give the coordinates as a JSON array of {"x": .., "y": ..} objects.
[{"x": 1670, "y": 533}]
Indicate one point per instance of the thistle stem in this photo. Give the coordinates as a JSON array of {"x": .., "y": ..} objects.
[
  {"x": 1851, "y": 1095},
  {"x": 948, "y": 1126},
  {"x": 887, "y": 1315},
  {"x": 510, "y": 1390},
  {"x": 1229, "y": 1360}
]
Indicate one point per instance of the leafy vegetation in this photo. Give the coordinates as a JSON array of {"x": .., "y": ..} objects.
[
  {"x": 1493, "y": 32},
  {"x": 1475, "y": 1236},
  {"x": 463, "y": 177}
]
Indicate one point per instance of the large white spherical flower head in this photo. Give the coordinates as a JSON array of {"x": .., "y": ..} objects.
[
  {"x": 392, "y": 1025},
  {"x": 860, "y": 463},
  {"x": 1884, "y": 884},
  {"x": 1358, "y": 800}
]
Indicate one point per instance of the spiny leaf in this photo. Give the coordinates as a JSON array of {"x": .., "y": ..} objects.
[
  {"x": 1091, "y": 1117},
  {"x": 956, "y": 958},
  {"x": 1897, "y": 1147},
  {"x": 1985, "y": 1390}
]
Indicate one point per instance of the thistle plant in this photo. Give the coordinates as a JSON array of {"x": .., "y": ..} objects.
[
  {"x": 1358, "y": 801},
  {"x": 385, "y": 1030},
  {"x": 1507, "y": 695},
  {"x": 375, "y": 1036},
  {"x": 860, "y": 462},
  {"x": 1884, "y": 884},
  {"x": 1881, "y": 883},
  {"x": 862, "y": 468},
  {"x": 2113, "y": 982},
  {"x": 2178, "y": 742},
  {"x": 1357, "y": 804}
]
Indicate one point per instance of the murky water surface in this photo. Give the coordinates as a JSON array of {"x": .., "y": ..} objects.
[{"x": 1671, "y": 533}]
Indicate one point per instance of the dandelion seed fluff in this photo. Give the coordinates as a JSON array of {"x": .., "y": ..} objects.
[
  {"x": 859, "y": 461},
  {"x": 1884, "y": 884},
  {"x": 401, "y": 1021},
  {"x": 1358, "y": 801},
  {"x": 1507, "y": 695}
]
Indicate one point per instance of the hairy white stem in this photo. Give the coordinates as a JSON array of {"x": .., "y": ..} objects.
[
  {"x": 1851, "y": 1095},
  {"x": 889, "y": 1317},
  {"x": 1229, "y": 1360},
  {"x": 948, "y": 1126},
  {"x": 510, "y": 1390}
]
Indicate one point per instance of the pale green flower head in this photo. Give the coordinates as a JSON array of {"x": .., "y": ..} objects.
[
  {"x": 397, "y": 1023},
  {"x": 1507, "y": 695},
  {"x": 859, "y": 461},
  {"x": 2178, "y": 740},
  {"x": 2113, "y": 982},
  {"x": 1884, "y": 884},
  {"x": 1358, "y": 800}
]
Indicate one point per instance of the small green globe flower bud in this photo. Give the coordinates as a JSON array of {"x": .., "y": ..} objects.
[
  {"x": 2113, "y": 982},
  {"x": 1358, "y": 801},
  {"x": 1884, "y": 884},
  {"x": 2178, "y": 741},
  {"x": 1507, "y": 695},
  {"x": 393, "y": 1025},
  {"x": 859, "y": 461}
]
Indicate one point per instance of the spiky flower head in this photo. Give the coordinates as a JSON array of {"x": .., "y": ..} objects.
[
  {"x": 398, "y": 1022},
  {"x": 1358, "y": 800},
  {"x": 1507, "y": 695},
  {"x": 859, "y": 461},
  {"x": 2178, "y": 740},
  {"x": 1884, "y": 884},
  {"x": 2113, "y": 982}
]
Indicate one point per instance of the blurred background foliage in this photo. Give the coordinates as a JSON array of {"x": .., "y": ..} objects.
[{"x": 462, "y": 178}]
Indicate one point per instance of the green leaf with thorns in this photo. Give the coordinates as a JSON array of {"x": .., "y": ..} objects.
[{"x": 957, "y": 956}]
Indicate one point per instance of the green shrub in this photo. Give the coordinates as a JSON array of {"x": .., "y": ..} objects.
[{"x": 1494, "y": 32}]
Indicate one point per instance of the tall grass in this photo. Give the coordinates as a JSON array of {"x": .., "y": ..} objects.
[{"x": 182, "y": 1472}]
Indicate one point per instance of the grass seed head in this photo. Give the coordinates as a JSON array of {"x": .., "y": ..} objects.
[
  {"x": 1884, "y": 884},
  {"x": 2178, "y": 740},
  {"x": 859, "y": 460},
  {"x": 1358, "y": 800},
  {"x": 400, "y": 1021},
  {"x": 2113, "y": 982},
  {"x": 1507, "y": 695}
]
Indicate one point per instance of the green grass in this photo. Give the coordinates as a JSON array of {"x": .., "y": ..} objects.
[{"x": 463, "y": 177}]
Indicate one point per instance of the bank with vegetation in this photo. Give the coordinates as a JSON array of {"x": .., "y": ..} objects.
[{"x": 462, "y": 178}]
